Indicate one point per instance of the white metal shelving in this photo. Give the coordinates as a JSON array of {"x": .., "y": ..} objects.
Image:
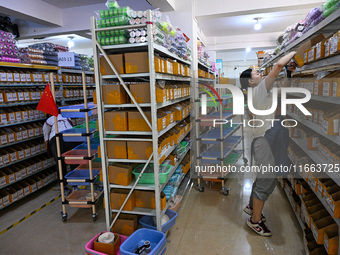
[
  {"x": 330, "y": 24},
  {"x": 315, "y": 127},
  {"x": 151, "y": 76}
]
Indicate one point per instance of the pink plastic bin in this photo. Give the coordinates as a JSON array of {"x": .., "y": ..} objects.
[
  {"x": 89, "y": 246},
  {"x": 77, "y": 153}
]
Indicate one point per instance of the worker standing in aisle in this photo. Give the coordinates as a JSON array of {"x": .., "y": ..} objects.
[{"x": 269, "y": 146}]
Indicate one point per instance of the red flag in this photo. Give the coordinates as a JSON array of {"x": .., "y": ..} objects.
[{"x": 47, "y": 103}]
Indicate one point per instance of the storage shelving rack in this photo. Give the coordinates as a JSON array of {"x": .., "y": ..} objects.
[
  {"x": 328, "y": 26},
  {"x": 38, "y": 116},
  {"x": 83, "y": 110},
  {"x": 153, "y": 135},
  {"x": 217, "y": 139}
]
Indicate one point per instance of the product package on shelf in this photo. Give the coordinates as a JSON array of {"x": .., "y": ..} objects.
[{"x": 8, "y": 49}]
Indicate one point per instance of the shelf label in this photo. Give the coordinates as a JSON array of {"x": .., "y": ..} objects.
[{"x": 66, "y": 59}]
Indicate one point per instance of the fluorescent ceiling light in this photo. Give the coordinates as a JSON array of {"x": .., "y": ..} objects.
[
  {"x": 257, "y": 25},
  {"x": 70, "y": 43},
  {"x": 248, "y": 49}
]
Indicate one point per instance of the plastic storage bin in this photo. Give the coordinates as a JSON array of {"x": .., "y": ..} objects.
[
  {"x": 89, "y": 247},
  {"x": 77, "y": 114},
  {"x": 148, "y": 178},
  {"x": 77, "y": 153},
  {"x": 81, "y": 174},
  {"x": 83, "y": 146},
  {"x": 76, "y": 131},
  {"x": 156, "y": 238},
  {"x": 80, "y": 196},
  {"x": 148, "y": 222}
]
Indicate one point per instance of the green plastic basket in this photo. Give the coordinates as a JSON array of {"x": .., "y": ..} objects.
[
  {"x": 231, "y": 159},
  {"x": 148, "y": 178}
]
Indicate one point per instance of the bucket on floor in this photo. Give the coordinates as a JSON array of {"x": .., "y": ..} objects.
[
  {"x": 148, "y": 222},
  {"x": 89, "y": 247},
  {"x": 156, "y": 238}
]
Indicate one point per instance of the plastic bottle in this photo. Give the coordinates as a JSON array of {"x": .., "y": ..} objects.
[
  {"x": 330, "y": 4},
  {"x": 329, "y": 11}
]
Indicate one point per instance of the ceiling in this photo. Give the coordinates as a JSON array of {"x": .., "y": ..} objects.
[
  {"x": 62, "y": 4},
  {"x": 244, "y": 24}
]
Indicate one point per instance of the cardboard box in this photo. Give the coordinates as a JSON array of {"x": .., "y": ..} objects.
[
  {"x": 19, "y": 190},
  {"x": 146, "y": 199},
  {"x": 118, "y": 196},
  {"x": 13, "y": 194},
  {"x": 331, "y": 240},
  {"x": 136, "y": 122},
  {"x": 299, "y": 57},
  {"x": 116, "y": 149},
  {"x": 108, "y": 248},
  {"x": 318, "y": 228},
  {"x": 116, "y": 121},
  {"x": 114, "y": 94},
  {"x": 320, "y": 50},
  {"x": 120, "y": 174},
  {"x": 161, "y": 94},
  {"x": 2, "y": 179},
  {"x": 137, "y": 62},
  {"x": 26, "y": 187},
  {"x": 5, "y": 198},
  {"x": 33, "y": 184},
  {"x": 126, "y": 224},
  {"x": 141, "y": 92},
  {"x": 334, "y": 43},
  {"x": 116, "y": 60},
  {"x": 139, "y": 149}
]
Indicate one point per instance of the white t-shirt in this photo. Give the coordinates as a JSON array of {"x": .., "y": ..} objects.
[
  {"x": 49, "y": 126},
  {"x": 262, "y": 100}
]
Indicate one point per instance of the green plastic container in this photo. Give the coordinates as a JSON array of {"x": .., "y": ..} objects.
[
  {"x": 231, "y": 159},
  {"x": 148, "y": 178}
]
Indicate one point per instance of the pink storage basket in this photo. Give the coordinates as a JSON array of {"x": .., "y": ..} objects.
[{"x": 89, "y": 246}]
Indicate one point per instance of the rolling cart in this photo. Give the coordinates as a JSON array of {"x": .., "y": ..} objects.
[
  {"x": 216, "y": 146},
  {"x": 83, "y": 154}
]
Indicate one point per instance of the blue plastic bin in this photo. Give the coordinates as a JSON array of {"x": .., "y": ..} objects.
[
  {"x": 81, "y": 174},
  {"x": 147, "y": 221},
  {"x": 77, "y": 114},
  {"x": 156, "y": 238},
  {"x": 83, "y": 146},
  {"x": 76, "y": 131}
]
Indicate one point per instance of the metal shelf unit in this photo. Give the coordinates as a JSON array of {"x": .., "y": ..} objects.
[
  {"x": 315, "y": 127},
  {"x": 153, "y": 135},
  {"x": 330, "y": 24}
]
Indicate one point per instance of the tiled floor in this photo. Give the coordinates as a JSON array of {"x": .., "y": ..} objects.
[{"x": 208, "y": 224}]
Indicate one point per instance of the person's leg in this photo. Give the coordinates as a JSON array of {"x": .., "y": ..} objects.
[{"x": 257, "y": 209}]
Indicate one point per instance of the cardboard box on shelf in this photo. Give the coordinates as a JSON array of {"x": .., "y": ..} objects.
[
  {"x": 330, "y": 124},
  {"x": 120, "y": 174},
  {"x": 19, "y": 190},
  {"x": 2, "y": 179},
  {"x": 334, "y": 47},
  {"x": 118, "y": 196},
  {"x": 116, "y": 121},
  {"x": 4, "y": 196},
  {"x": 139, "y": 149},
  {"x": 136, "y": 122},
  {"x": 146, "y": 199},
  {"x": 137, "y": 62},
  {"x": 5, "y": 156},
  {"x": 161, "y": 94},
  {"x": 168, "y": 63},
  {"x": 26, "y": 187},
  {"x": 114, "y": 94},
  {"x": 126, "y": 224},
  {"x": 320, "y": 50},
  {"x": 177, "y": 68},
  {"x": 38, "y": 181},
  {"x": 159, "y": 66},
  {"x": 331, "y": 240},
  {"x": 161, "y": 120},
  {"x": 108, "y": 248},
  {"x": 311, "y": 54},
  {"x": 300, "y": 51},
  {"x": 336, "y": 85},
  {"x": 116, "y": 149},
  {"x": 32, "y": 183},
  {"x": 116, "y": 60},
  {"x": 141, "y": 92},
  {"x": 13, "y": 194},
  {"x": 318, "y": 228}
]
